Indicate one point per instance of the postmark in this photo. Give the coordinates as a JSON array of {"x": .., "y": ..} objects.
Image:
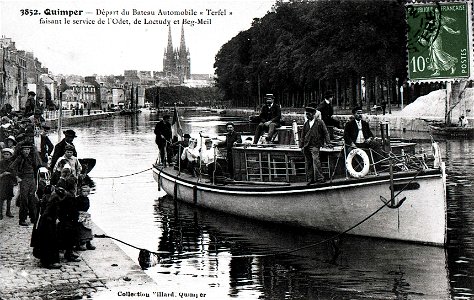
[{"x": 438, "y": 41}]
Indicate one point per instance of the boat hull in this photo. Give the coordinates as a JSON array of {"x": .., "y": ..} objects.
[
  {"x": 330, "y": 207},
  {"x": 452, "y": 131}
]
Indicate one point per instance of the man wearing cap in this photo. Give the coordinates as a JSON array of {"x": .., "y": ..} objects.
[
  {"x": 326, "y": 109},
  {"x": 270, "y": 118},
  {"x": 163, "y": 139},
  {"x": 24, "y": 167},
  {"x": 30, "y": 104},
  {"x": 357, "y": 133},
  {"x": 59, "y": 149},
  {"x": 313, "y": 137},
  {"x": 232, "y": 138}
]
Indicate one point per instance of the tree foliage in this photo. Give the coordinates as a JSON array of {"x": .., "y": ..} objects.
[{"x": 301, "y": 48}]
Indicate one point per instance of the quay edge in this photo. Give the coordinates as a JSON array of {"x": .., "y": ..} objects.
[
  {"x": 99, "y": 274},
  {"x": 71, "y": 120}
]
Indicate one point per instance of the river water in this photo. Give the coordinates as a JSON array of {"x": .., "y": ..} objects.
[{"x": 217, "y": 256}]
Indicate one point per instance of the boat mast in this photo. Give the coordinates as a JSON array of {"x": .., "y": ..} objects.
[
  {"x": 447, "y": 115},
  {"x": 60, "y": 116}
]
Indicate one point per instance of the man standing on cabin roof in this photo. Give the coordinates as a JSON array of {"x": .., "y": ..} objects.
[
  {"x": 232, "y": 138},
  {"x": 270, "y": 118},
  {"x": 313, "y": 137},
  {"x": 326, "y": 109},
  {"x": 59, "y": 149},
  {"x": 163, "y": 139},
  {"x": 357, "y": 132}
]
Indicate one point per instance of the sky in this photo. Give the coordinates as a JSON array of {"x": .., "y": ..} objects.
[{"x": 104, "y": 49}]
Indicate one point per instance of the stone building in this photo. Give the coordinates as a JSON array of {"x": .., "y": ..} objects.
[{"x": 20, "y": 72}]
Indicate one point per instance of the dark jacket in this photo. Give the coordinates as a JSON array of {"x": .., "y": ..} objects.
[
  {"x": 46, "y": 148},
  {"x": 231, "y": 138},
  {"x": 26, "y": 167},
  {"x": 272, "y": 113},
  {"x": 314, "y": 136},
  {"x": 351, "y": 131},
  {"x": 162, "y": 128},
  {"x": 326, "y": 112}
]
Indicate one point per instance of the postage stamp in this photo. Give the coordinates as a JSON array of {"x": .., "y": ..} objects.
[{"x": 438, "y": 41}]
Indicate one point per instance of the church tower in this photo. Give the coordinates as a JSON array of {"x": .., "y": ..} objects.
[
  {"x": 184, "y": 63},
  {"x": 169, "y": 59},
  {"x": 177, "y": 62}
]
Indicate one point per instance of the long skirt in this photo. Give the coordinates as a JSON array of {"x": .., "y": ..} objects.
[
  {"x": 44, "y": 241},
  {"x": 84, "y": 228}
]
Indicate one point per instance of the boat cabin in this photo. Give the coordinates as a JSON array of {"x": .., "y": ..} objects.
[{"x": 283, "y": 160}]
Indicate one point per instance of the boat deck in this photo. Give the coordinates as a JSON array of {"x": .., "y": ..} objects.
[{"x": 204, "y": 181}]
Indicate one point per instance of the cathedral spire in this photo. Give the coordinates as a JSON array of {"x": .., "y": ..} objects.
[
  {"x": 182, "y": 45},
  {"x": 169, "y": 48}
]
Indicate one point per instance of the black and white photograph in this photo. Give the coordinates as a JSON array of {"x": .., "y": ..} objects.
[{"x": 236, "y": 149}]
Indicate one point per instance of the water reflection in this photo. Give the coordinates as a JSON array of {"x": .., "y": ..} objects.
[
  {"x": 227, "y": 257},
  {"x": 257, "y": 259}
]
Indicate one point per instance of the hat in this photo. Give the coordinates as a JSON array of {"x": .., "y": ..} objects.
[
  {"x": 356, "y": 109},
  {"x": 67, "y": 166},
  {"x": 6, "y": 125},
  {"x": 311, "y": 107},
  {"x": 26, "y": 145},
  {"x": 207, "y": 141},
  {"x": 37, "y": 112},
  {"x": 269, "y": 96},
  {"x": 12, "y": 138},
  {"x": 31, "y": 93},
  {"x": 166, "y": 117},
  {"x": 69, "y": 147},
  {"x": 5, "y": 119},
  {"x": 186, "y": 136},
  {"x": 70, "y": 132},
  {"x": 9, "y": 150},
  {"x": 46, "y": 127},
  {"x": 328, "y": 94}
]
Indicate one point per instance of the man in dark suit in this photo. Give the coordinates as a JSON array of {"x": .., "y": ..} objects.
[
  {"x": 357, "y": 133},
  {"x": 326, "y": 109},
  {"x": 313, "y": 136},
  {"x": 232, "y": 138},
  {"x": 163, "y": 139},
  {"x": 270, "y": 118}
]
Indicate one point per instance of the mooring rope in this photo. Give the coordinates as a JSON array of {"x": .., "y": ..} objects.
[{"x": 121, "y": 176}]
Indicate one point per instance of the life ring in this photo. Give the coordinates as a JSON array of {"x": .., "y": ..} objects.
[{"x": 365, "y": 159}]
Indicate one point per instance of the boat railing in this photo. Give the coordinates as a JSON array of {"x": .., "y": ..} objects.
[{"x": 270, "y": 163}]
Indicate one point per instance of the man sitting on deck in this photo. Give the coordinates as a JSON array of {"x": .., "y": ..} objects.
[
  {"x": 270, "y": 117},
  {"x": 208, "y": 161}
]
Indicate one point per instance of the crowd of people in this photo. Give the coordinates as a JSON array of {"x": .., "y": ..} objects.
[
  {"x": 46, "y": 182},
  {"x": 314, "y": 135}
]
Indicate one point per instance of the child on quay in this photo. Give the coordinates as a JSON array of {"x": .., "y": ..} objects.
[
  {"x": 7, "y": 181},
  {"x": 84, "y": 230}
]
